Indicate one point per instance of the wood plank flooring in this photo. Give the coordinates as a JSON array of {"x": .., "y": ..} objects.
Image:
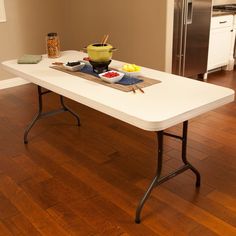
[{"x": 88, "y": 180}]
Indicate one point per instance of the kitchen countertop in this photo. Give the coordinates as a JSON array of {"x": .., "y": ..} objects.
[{"x": 222, "y": 13}]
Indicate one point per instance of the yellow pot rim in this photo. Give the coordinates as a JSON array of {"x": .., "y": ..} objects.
[{"x": 92, "y": 47}]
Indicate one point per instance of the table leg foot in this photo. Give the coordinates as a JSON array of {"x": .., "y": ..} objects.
[
  {"x": 144, "y": 199},
  {"x": 137, "y": 221},
  {"x": 29, "y": 127}
]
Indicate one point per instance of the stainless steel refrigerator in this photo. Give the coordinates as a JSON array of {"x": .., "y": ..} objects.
[{"x": 191, "y": 37}]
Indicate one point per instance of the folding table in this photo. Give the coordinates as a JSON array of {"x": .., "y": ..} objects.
[{"x": 173, "y": 101}]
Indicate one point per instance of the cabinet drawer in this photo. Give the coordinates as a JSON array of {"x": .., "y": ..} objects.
[{"x": 221, "y": 21}]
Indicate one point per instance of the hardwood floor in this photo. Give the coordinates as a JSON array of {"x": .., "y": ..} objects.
[{"x": 88, "y": 180}]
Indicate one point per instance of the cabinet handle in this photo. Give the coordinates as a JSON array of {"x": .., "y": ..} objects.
[{"x": 223, "y": 22}]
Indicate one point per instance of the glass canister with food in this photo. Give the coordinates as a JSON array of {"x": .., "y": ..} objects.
[{"x": 53, "y": 45}]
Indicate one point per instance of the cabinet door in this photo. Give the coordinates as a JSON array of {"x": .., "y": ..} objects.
[{"x": 219, "y": 47}]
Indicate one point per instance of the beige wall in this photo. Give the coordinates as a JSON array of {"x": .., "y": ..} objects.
[
  {"x": 28, "y": 21},
  {"x": 136, "y": 28}
]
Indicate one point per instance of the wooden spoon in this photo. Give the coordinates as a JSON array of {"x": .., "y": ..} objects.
[{"x": 105, "y": 39}]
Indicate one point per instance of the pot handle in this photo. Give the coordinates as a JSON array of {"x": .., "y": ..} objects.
[{"x": 113, "y": 49}]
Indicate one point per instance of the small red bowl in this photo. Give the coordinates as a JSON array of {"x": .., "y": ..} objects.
[{"x": 113, "y": 79}]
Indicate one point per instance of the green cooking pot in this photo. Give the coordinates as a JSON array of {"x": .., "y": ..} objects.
[{"x": 100, "y": 52}]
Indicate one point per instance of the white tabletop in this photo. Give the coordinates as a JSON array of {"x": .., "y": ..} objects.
[{"x": 163, "y": 105}]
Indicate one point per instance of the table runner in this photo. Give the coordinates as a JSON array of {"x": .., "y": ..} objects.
[{"x": 125, "y": 88}]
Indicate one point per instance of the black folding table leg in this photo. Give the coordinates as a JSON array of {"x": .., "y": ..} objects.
[
  {"x": 158, "y": 179},
  {"x": 40, "y": 114},
  {"x": 66, "y": 108},
  {"x": 184, "y": 154},
  {"x": 37, "y": 116},
  {"x": 155, "y": 180}
]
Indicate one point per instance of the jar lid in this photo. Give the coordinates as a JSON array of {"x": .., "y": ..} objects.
[{"x": 52, "y": 34}]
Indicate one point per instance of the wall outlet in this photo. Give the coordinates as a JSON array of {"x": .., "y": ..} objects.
[{"x": 2, "y": 11}]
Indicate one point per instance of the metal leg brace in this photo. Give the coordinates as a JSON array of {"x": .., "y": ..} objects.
[
  {"x": 158, "y": 179},
  {"x": 40, "y": 114}
]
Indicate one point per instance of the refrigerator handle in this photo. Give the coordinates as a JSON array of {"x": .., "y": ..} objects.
[
  {"x": 181, "y": 43},
  {"x": 189, "y": 14}
]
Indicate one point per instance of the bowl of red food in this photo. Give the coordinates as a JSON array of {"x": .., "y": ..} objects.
[{"x": 111, "y": 76}]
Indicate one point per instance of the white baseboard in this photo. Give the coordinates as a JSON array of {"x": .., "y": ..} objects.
[{"x": 9, "y": 83}]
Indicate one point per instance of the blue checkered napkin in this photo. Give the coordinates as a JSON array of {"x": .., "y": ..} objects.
[{"x": 126, "y": 80}]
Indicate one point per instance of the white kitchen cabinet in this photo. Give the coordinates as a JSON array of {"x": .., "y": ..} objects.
[
  {"x": 2, "y": 11},
  {"x": 220, "y": 42}
]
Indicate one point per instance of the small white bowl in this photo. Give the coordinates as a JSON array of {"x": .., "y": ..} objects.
[
  {"x": 76, "y": 67},
  {"x": 113, "y": 79},
  {"x": 131, "y": 74}
]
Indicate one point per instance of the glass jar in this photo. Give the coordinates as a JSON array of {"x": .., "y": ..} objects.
[{"x": 53, "y": 45}]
